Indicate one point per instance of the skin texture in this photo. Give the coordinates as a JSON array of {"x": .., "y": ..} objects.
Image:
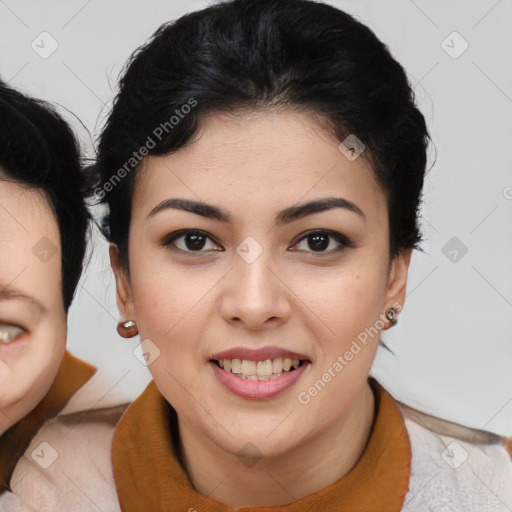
[
  {"x": 191, "y": 306},
  {"x": 29, "y": 363}
]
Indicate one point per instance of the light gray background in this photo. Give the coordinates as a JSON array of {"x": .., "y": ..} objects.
[{"x": 452, "y": 344}]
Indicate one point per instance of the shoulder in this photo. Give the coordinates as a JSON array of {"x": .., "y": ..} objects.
[
  {"x": 67, "y": 465},
  {"x": 454, "y": 467}
]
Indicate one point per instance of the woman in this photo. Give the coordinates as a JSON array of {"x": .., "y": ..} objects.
[
  {"x": 48, "y": 398},
  {"x": 263, "y": 165}
]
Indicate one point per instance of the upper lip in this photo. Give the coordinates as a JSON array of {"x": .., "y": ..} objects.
[{"x": 260, "y": 354}]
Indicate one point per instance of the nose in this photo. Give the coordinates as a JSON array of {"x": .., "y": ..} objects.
[{"x": 254, "y": 293}]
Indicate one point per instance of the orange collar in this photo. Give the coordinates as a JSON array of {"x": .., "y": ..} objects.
[
  {"x": 72, "y": 375},
  {"x": 149, "y": 476}
]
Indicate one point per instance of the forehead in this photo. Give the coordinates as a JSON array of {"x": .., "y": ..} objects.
[
  {"x": 30, "y": 258},
  {"x": 258, "y": 160}
]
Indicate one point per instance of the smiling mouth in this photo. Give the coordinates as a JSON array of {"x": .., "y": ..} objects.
[{"x": 259, "y": 370}]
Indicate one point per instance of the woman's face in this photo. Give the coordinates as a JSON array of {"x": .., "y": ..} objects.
[
  {"x": 263, "y": 285},
  {"x": 32, "y": 315}
]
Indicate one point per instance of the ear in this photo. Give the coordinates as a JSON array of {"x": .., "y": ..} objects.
[
  {"x": 124, "y": 298},
  {"x": 397, "y": 282}
]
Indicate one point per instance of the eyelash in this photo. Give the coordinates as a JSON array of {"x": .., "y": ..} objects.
[{"x": 338, "y": 237}]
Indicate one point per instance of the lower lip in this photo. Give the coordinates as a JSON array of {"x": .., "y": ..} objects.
[{"x": 258, "y": 389}]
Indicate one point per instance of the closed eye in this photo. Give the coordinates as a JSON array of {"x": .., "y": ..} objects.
[{"x": 193, "y": 241}]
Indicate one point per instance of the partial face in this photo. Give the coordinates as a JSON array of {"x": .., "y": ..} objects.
[
  {"x": 32, "y": 315},
  {"x": 295, "y": 288}
]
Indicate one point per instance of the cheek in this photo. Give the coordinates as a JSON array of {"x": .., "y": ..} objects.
[
  {"x": 172, "y": 323},
  {"x": 347, "y": 326},
  {"x": 170, "y": 307},
  {"x": 48, "y": 346},
  {"x": 25, "y": 380},
  {"x": 344, "y": 315},
  {"x": 347, "y": 299},
  {"x": 174, "y": 301},
  {"x": 165, "y": 301}
]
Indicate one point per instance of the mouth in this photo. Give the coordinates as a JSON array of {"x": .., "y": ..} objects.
[
  {"x": 268, "y": 369},
  {"x": 259, "y": 380}
]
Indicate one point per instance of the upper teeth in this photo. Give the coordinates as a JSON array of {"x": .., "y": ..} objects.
[{"x": 268, "y": 368}]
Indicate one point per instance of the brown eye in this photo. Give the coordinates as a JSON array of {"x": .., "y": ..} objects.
[
  {"x": 319, "y": 241},
  {"x": 189, "y": 241},
  {"x": 194, "y": 242}
]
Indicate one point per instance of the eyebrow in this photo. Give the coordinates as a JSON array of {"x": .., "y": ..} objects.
[
  {"x": 283, "y": 217},
  {"x": 11, "y": 293}
]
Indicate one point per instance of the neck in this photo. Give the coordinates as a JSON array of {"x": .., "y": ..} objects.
[{"x": 276, "y": 481}]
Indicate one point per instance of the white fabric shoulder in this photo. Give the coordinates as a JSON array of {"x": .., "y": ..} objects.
[
  {"x": 455, "y": 468},
  {"x": 67, "y": 466}
]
